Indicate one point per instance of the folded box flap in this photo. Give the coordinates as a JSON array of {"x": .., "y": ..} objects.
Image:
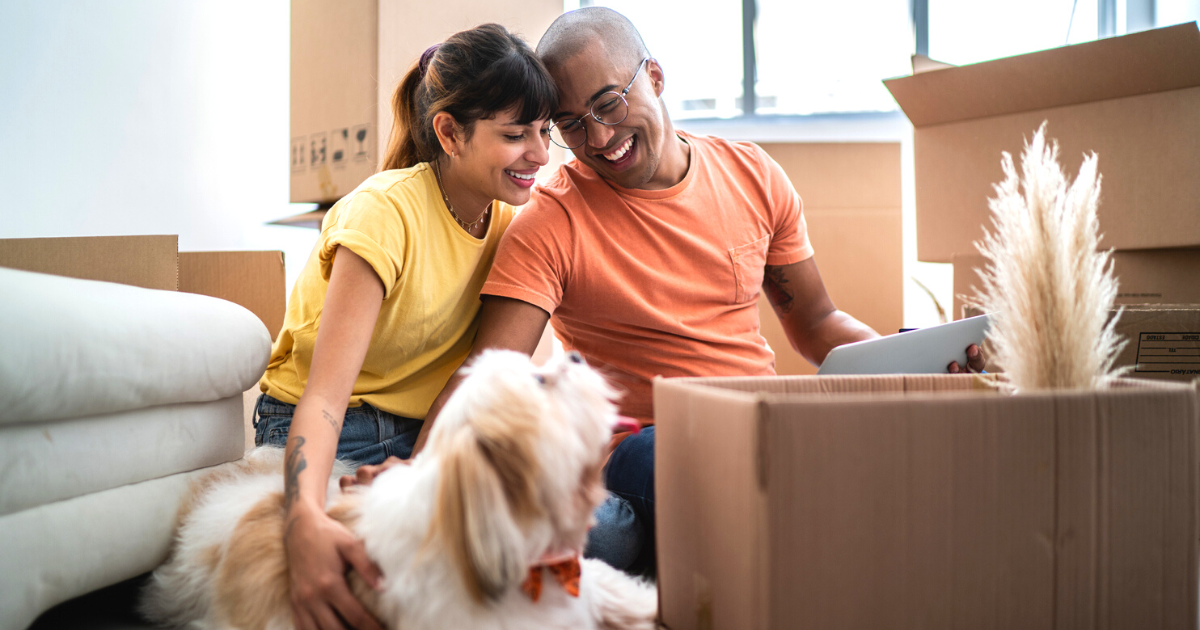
[{"x": 1140, "y": 63}]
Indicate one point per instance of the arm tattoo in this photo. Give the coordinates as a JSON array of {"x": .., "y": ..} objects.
[
  {"x": 292, "y": 467},
  {"x": 775, "y": 284},
  {"x": 333, "y": 423}
]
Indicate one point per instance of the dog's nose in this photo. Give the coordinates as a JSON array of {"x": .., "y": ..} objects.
[{"x": 575, "y": 357}]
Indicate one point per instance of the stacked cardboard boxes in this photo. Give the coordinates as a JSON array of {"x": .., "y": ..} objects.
[{"x": 1134, "y": 101}]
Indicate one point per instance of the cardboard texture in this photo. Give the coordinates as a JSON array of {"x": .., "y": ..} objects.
[
  {"x": 928, "y": 501},
  {"x": 851, "y": 195},
  {"x": 334, "y": 66},
  {"x": 254, "y": 280},
  {"x": 1134, "y": 100},
  {"x": 141, "y": 261},
  {"x": 348, "y": 57},
  {"x": 1153, "y": 276}
]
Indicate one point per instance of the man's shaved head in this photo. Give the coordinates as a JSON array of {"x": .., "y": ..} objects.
[{"x": 573, "y": 31}]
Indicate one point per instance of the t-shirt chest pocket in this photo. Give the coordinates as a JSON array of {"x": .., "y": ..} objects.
[{"x": 748, "y": 261}]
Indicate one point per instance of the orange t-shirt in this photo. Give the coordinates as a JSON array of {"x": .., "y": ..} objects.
[{"x": 657, "y": 282}]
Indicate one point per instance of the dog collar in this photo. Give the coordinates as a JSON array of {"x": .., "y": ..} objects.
[{"x": 566, "y": 572}]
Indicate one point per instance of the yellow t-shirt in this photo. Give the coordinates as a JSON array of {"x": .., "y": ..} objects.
[{"x": 431, "y": 270}]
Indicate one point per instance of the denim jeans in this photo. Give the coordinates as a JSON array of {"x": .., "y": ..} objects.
[
  {"x": 624, "y": 533},
  {"x": 369, "y": 435}
]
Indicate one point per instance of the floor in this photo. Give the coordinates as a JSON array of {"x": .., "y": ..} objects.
[{"x": 109, "y": 608}]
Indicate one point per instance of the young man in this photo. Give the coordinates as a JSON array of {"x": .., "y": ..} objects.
[{"x": 648, "y": 251}]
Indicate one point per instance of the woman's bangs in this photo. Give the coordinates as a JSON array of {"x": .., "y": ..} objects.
[{"x": 522, "y": 82}]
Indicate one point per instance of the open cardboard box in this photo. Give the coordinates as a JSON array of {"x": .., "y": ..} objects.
[
  {"x": 1134, "y": 100},
  {"x": 925, "y": 501}
]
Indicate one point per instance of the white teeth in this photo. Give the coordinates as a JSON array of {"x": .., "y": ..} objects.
[
  {"x": 519, "y": 175},
  {"x": 620, "y": 152}
]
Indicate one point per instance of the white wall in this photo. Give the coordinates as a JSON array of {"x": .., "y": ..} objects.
[{"x": 148, "y": 117}]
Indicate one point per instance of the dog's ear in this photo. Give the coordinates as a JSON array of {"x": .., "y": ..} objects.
[{"x": 488, "y": 490}]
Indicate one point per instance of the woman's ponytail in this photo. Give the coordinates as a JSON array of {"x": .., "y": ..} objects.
[{"x": 402, "y": 146}]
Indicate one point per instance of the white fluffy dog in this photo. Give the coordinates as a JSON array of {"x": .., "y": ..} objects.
[{"x": 471, "y": 535}]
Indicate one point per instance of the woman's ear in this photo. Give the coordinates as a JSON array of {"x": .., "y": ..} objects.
[{"x": 449, "y": 133}]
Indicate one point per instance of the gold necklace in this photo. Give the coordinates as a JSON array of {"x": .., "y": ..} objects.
[{"x": 469, "y": 227}]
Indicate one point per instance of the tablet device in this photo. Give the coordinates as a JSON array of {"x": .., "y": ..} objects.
[{"x": 920, "y": 351}]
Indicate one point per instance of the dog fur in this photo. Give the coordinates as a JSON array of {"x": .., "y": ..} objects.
[{"x": 511, "y": 473}]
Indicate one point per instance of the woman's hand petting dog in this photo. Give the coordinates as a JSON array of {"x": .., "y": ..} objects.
[
  {"x": 367, "y": 473},
  {"x": 320, "y": 551}
]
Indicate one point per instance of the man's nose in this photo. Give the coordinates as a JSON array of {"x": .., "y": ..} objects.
[{"x": 598, "y": 134}]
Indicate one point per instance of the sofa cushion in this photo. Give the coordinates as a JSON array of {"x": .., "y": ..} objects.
[
  {"x": 50, "y": 461},
  {"x": 75, "y": 348},
  {"x": 65, "y": 549}
]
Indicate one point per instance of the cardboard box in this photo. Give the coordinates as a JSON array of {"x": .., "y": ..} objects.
[
  {"x": 1133, "y": 100},
  {"x": 347, "y": 58},
  {"x": 254, "y": 280},
  {"x": 852, "y": 199},
  {"x": 1163, "y": 341},
  {"x": 925, "y": 502},
  {"x": 141, "y": 261},
  {"x": 1154, "y": 276}
]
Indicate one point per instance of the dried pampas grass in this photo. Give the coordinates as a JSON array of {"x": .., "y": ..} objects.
[{"x": 1047, "y": 288}]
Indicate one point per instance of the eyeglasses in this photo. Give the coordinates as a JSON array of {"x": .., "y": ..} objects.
[{"x": 610, "y": 108}]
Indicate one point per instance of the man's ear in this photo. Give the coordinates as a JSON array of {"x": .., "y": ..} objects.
[{"x": 657, "y": 78}]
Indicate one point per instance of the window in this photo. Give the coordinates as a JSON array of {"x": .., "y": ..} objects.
[
  {"x": 969, "y": 32},
  {"x": 818, "y": 57},
  {"x": 830, "y": 56}
]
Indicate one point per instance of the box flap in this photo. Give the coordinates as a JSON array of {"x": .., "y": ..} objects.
[
  {"x": 253, "y": 280},
  {"x": 148, "y": 261},
  {"x": 1150, "y": 61}
]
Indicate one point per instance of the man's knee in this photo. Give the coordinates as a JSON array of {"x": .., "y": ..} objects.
[
  {"x": 618, "y": 537},
  {"x": 630, "y": 470}
]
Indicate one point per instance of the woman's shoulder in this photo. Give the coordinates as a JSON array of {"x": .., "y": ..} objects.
[{"x": 399, "y": 181}]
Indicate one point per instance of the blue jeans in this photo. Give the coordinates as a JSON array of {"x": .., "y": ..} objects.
[
  {"x": 624, "y": 533},
  {"x": 369, "y": 435}
]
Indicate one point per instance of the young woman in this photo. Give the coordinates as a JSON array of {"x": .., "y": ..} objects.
[{"x": 386, "y": 308}]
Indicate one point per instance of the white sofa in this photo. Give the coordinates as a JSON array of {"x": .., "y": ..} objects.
[{"x": 112, "y": 399}]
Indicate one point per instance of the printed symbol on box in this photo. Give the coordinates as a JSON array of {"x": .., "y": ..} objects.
[
  {"x": 299, "y": 151},
  {"x": 316, "y": 150},
  {"x": 360, "y": 141},
  {"x": 339, "y": 139}
]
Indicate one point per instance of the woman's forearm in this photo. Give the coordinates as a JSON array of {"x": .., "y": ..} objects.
[{"x": 311, "y": 450}]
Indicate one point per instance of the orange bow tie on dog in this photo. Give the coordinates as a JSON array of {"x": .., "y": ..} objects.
[{"x": 565, "y": 572}]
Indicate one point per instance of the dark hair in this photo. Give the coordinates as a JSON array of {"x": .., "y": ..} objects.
[{"x": 472, "y": 75}]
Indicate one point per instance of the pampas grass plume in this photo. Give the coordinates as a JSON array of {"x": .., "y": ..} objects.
[{"x": 1048, "y": 289}]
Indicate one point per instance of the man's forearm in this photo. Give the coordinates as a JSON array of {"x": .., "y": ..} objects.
[{"x": 834, "y": 329}]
